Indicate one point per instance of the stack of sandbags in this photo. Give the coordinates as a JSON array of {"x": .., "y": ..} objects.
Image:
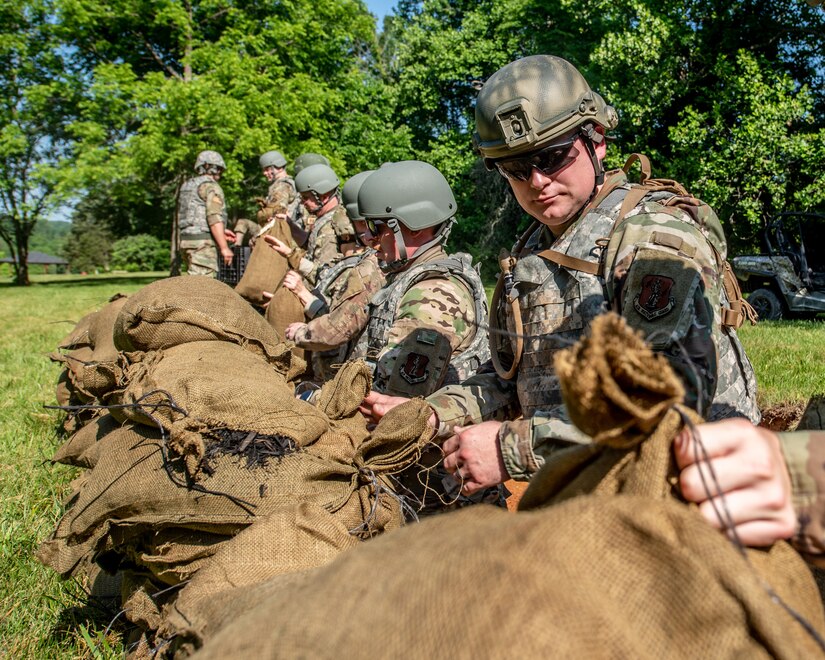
[
  {"x": 608, "y": 561},
  {"x": 88, "y": 355}
]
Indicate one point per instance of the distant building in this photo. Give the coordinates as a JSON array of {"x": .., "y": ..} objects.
[{"x": 40, "y": 259}]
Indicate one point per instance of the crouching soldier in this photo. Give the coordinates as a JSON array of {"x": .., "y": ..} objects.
[{"x": 426, "y": 327}]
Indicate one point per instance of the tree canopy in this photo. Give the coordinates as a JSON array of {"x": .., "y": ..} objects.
[{"x": 110, "y": 102}]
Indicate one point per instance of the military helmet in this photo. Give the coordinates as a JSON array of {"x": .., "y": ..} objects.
[
  {"x": 533, "y": 102},
  {"x": 349, "y": 194},
  {"x": 319, "y": 179},
  {"x": 209, "y": 160},
  {"x": 272, "y": 159},
  {"x": 413, "y": 192},
  {"x": 305, "y": 160}
]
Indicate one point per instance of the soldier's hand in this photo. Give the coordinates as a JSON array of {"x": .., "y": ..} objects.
[
  {"x": 293, "y": 329},
  {"x": 473, "y": 455},
  {"x": 230, "y": 236},
  {"x": 750, "y": 473},
  {"x": 227, "y": 255},
  {"x": 266, "y": 295},
  {"x": 375, "y": 406},
  {"x": 278, "y": 245},
  {"x": 295, "y": 283}
]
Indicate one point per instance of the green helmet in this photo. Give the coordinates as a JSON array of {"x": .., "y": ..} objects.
[
  {"x": 349, "y": 194},
  {"x": 319, "y": 179},
  {"x": 305, "y": 160},
  {"x": 413, "y": 192},
  {"x": 272, "y": 159},
  {"x": 409, "y": 193},
  {"x": 209, "y": 161},
  {"x": 534, "y": 101}
]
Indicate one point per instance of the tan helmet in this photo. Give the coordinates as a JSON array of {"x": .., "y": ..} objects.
[
  {"x": 209, "y": 161},
  {"x": 533, "y": 102}
]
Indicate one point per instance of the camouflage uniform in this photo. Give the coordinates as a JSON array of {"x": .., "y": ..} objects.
[
  {"x": 804, "y": 453},
  {"x": 339, "y": 313},
  {"x": 329, "y": 232},
  {"x": 423, "y": 331},
  {"x": 200, "y": 205},
  {"x": 661, "y": 274}
]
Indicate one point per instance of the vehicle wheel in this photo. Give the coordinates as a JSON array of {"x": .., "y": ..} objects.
[{"x": 767, "y": 304}]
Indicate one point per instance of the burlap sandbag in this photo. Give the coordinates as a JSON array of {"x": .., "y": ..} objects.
[
  {"x": 141, "y": 490},
  {"x": 813, "y": 419},
  {"x": 77, "y": 449},
  {"x": 193, "y": 388},
  {"x": 595, "y": 577},
  {"x": 631, "y": 572},
  {"x": 184, "y": 309},
  {"x": 289, "y": 540},
  {"x": 266, "y": 268},
  {"x": 283, "y": 309}
]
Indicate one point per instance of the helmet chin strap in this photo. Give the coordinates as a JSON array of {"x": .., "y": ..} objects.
[{"x": 399, "y": 264}]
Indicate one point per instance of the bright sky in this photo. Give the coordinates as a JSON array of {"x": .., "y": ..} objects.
[{"x": 380, "y": 8}]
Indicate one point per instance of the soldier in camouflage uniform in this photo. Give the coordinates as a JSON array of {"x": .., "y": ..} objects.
[
  {"x": 423, "y": 325},
  {"x": 202, "y": 217},
  {"x": 337, "y": 307},
  {"x": 332, "y": 233},
  {"x": 654, "y": 256}
]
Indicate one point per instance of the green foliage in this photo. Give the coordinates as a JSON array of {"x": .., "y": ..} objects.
[
  {"x": 88, "y": 247},
  {"x": 50, "y": 236},
  {"x": 34, "y": 100},
  {"x": 140, "y": 253},
  {"x": 167, "y": 83}
]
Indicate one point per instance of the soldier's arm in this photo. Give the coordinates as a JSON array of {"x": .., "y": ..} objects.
[
  {"x": 804, "y": 455},
  {"x": 661, "y": 275},
  {"x": 215, "y": 213},
  {"x": 348, "y": 312},
  {"x": 326, "y": 251}
]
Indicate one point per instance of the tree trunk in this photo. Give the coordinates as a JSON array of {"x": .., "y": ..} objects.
[{"x": 21, "y": 268}]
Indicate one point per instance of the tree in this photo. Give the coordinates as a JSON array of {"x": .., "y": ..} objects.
[
  {"x": 140, "y": 253},
  {"x": 696, "y": 83},
  {"x": 168, "y": 78},
  {"x": 34, "y": 104},
  {"x": 88, "y": 247}
]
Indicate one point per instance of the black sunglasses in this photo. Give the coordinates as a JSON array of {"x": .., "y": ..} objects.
[
  {"x": 373, "y": 225},
  {"x": 548, "y": 161}
]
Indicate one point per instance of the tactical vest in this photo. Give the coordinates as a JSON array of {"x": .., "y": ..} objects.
[
  {"x": 312, "y": 241},
  {"x": 384, "y": 308},
  {"x": 192, "y": 209},
  {"x": 561, "y": 292},
  {"x": 330, "y": 273}
]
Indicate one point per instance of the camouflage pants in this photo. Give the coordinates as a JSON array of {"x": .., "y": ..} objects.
[
  {"x": 200, "y": 257},
  {"x": 245, "y": 230}
]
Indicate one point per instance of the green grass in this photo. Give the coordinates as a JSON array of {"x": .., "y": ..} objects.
[
  {"x": 42, "y": 616},
  {"x": 788, "y": 358}
]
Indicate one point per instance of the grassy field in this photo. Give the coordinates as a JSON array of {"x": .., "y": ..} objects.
[{"x": 41, "y": 616}]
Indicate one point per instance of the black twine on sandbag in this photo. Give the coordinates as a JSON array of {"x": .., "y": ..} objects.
[
  {"x": 256, "y": 448},
  {"x": 378, "y": 489},
  {"x": 723, "y": 515},
  {"x": 167, "y": 462}
]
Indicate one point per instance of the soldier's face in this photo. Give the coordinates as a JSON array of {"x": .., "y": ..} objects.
[
  {"x": 363, "y": 232},
  {"x": 555, "y": 199},
  {"x": 269, "y": 173}
]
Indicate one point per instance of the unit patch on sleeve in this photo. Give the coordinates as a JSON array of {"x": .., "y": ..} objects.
[{"x": 655, "y": 298}]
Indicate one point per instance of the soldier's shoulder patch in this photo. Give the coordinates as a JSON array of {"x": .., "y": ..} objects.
[
  {"x": 414, "y": 369},
  {"x": 655, "y": 298}
]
